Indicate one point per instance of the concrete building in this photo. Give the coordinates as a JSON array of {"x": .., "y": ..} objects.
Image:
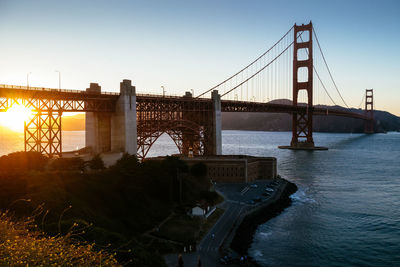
[
  {"x": 234, "y": 168},
  {"x": 198, "y": 211}
]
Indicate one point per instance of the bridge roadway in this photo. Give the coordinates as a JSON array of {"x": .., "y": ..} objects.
[{"x": 83, "y": 101}]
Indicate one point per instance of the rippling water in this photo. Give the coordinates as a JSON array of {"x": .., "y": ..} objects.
[{"x": 346, "y": 211}]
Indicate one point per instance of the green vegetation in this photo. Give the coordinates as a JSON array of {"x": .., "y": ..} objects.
[
  {"x": 67, "y": 164},
  {"x": 97, "y": 163},
  {"x": 186, "y": 230},
  {"x": 116, "y": 205},
  {"x": 198, "y": 169},
  {"x": 180, "y": 228},
  {"x": 23, "y": 245},
  {"x": 18, "y": 162}
]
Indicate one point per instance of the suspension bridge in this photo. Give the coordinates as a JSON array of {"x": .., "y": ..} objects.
[{"x": 131, "y": 122}]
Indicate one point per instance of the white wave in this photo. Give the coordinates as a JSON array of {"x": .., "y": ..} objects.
[
  {"x": 257, "y": 253},
  {"x": 264, "y": 235},
  {"x": 301, "y": 197}
]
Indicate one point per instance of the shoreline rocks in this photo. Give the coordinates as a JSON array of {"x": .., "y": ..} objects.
[{"x": 243, "y": 237}]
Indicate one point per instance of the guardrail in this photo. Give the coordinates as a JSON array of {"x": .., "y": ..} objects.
[{"x": 6, "y": 86}]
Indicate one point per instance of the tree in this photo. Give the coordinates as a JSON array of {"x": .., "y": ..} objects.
[
  {"x": 96, "y": 163},
  {"x": 68, "y": 164},
  {"x": 199, "y": 170},
  {"x": 23, "y": 161},
  {"x": 127, "y": 164}
]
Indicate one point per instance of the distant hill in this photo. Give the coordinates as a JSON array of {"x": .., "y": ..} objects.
[
  {"x": 384, "y": 121},
  {"x": 74, "y": 123}
]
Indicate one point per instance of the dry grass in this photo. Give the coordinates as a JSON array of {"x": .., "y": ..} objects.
[{"x": 21, "y": 244}]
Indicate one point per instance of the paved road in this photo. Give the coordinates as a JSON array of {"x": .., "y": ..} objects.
[
  {"x": 213, "y": 240},
  {"x": 237, "y": 198}
]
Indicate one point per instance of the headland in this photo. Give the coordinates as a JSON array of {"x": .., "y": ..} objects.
[{"x": 246, "y": 206}]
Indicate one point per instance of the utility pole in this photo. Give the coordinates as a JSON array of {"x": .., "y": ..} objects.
[{"x": 163, "y": 91}]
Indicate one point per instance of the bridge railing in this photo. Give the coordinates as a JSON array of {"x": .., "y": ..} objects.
[
  {"x": 6, "y": 86},
  {"x": 169, "y": 96}
]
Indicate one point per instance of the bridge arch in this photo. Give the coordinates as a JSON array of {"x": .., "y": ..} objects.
[{"x": 185, "y": 134}]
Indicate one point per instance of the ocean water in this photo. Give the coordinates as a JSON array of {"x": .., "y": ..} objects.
[
  {"x": 14, "y": 141},
  {"x": 346, "y": 211}
]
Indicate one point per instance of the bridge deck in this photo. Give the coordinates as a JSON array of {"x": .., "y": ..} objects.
[{"x": 104, "y": 101}]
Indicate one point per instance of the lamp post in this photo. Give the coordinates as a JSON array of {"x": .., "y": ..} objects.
[
  {"x": 163, "y": 91},
  {"x": 27, "y": 79},
  {"x": 59, "y": 79}
]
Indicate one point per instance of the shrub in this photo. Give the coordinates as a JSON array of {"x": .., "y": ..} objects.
[
  {"x": 127, "y": 164},
  {"x": 198, "y": 170},
  {"x": 173, "y": 163},
  {"x": 96, "y": 163},
  {"x": 68, "y": 164},
  {"x": 21, "y": 245},
  {"x": 22, "y": 161}
]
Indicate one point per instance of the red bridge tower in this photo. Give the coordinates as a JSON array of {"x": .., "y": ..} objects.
[
  {"x": 369, "y": 111},
  {"x": 302, "y": 122}
]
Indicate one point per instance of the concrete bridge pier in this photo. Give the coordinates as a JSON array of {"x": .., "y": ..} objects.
[
  {"x": 97, "y": 126},
  {"x": 115, "y": 132},
  {"x": 190, "y": 135},
  {"x": 217, "y": 123},
  {"x": 123, "y": 121}
]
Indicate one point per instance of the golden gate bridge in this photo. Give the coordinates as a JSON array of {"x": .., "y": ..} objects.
[{"x": 131, "y": 122}]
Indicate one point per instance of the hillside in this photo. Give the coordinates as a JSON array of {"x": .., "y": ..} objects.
[
  {"x": 115, "y": 208},
  {"x": 74, "y": 123},
  {"x": 384, "y": 121}
]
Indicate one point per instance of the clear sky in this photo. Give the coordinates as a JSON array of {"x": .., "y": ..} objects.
[{"x": 184, "y": 45}]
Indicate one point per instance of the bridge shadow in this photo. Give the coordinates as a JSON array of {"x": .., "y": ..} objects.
[{"x": 352, "y": 139}]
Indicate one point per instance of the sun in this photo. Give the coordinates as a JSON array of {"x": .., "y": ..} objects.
[{"x": 15, "y": 117}]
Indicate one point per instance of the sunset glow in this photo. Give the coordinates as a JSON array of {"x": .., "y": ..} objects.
[{"x": 15, "y": 117}]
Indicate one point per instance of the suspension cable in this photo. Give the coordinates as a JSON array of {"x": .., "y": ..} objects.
[
  {"x": 259, "y": 70},
  {"x": 319, "y": 78},
  {"x": 362, "y": 101},
  {"x": 323, "y": 86},
  {"x": 209, "y": 90},
  {"x": 327, "y": 67}
]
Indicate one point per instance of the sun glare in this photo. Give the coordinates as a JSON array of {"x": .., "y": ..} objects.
[{"x": 15, "y": 117}]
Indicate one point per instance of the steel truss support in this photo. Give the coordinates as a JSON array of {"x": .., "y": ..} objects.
[
  {"x": 369, "y": 111},
  {"x": 302, "y": 132},
  {"x": 43, "y": 133},
  {"x": 188, "y": 123}
]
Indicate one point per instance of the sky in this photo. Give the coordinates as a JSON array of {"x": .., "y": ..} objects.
[{"x": 184, "y": 45}]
